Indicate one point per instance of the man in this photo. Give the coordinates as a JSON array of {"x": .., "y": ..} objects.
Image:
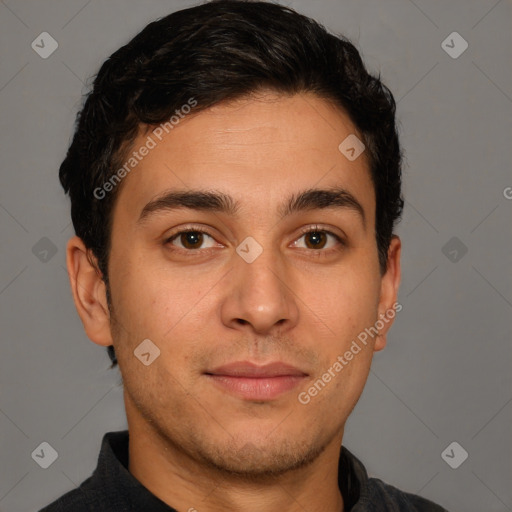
[{"x": 235, "y": 180}]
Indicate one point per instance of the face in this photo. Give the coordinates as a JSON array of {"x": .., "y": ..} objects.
[{"x": 262, "y": 276}]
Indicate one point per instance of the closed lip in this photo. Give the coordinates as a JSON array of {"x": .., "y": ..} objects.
[{"x": 249, "y": 369}]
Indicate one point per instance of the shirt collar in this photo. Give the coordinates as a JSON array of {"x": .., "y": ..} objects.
[{"x": 112, "y": 476}]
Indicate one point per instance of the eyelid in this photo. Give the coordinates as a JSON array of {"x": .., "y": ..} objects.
[{"x": 324, "y": 229}]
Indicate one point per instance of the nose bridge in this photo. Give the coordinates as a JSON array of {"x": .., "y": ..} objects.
[
  {"x": 259, "y": 294},
  {"x": 264, "y": 275}
]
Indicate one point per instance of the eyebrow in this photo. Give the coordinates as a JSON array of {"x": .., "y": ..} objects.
[{"x": 219, "y": 202}]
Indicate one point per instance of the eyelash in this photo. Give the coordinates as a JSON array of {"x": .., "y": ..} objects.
[{"x": 305, "y": 231}]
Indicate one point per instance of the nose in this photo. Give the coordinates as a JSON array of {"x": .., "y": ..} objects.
[{"x": 260, "y": 295}]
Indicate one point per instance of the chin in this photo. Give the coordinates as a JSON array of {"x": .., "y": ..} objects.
[{"x": 259, "y": 459}]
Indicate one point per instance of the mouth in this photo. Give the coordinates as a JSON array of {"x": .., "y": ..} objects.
[{"x": 249, "y": 381}]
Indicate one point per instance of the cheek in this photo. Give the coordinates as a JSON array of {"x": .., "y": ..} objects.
[
  {"x": 346, "y": 300},
  {"x": 155, "y": 302}
]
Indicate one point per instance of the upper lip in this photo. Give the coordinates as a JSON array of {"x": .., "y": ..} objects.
[{"x": 248, "y": 369}]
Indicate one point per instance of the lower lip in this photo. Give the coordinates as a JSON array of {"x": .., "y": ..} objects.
[{"x": 261, "y": 388}]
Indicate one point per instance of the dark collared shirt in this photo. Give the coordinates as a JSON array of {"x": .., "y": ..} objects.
[{"x": 112, "y": 488}]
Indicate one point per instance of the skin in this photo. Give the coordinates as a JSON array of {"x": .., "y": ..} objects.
[{"x": 191, "y": 443}]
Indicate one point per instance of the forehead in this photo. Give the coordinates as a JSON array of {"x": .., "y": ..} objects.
[{"x": 256, "y": 149}]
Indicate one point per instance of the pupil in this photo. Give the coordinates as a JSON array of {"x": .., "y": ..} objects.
[
  {"x": 316, "y": 238},
  {"x": 192, "y": 238}
]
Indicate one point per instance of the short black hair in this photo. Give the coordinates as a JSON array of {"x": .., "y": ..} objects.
[{"x": 220, "y": 51}]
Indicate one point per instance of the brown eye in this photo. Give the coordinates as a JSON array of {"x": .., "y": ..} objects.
[
  {"x": 315, "y": 239},
  {"x": 191, "y": 239},
  {"x": 318, "y": 239}
]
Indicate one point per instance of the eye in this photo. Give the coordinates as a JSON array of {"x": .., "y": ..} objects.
[
  {"x": 316, "y": 238},
  {"x": 191, "y": 239}
]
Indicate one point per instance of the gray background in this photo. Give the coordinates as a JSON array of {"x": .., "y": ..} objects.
[{"x": 444, "y": 375}]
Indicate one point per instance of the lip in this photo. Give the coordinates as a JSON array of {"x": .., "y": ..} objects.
[
  {"x": 249, "y": 369},
  {"x": 252, "y": 382}
]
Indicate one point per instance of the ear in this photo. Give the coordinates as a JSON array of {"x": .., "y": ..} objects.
[
  {"x": 390, "y": 282},
  {"x": 89, "y": 292}
]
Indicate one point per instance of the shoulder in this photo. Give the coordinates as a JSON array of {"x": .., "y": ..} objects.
[
  {"x": 391, "y": 499},
  {"x": 81, "y": 499}
]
